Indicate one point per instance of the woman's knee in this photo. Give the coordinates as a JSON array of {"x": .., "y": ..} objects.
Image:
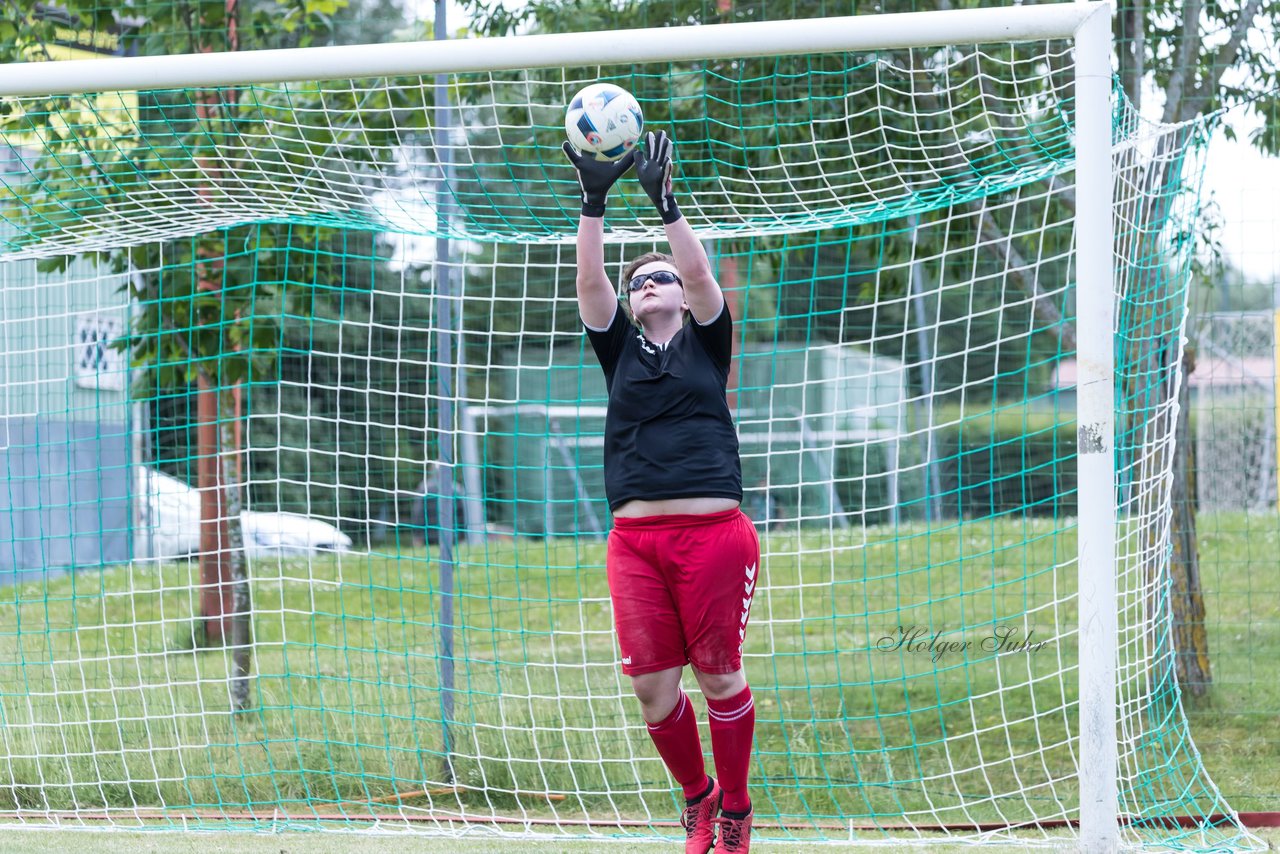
[
  {"x": 721, "y": 686},
  {"x": 657, "y": 692}
]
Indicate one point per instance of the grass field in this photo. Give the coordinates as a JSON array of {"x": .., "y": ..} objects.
[
  {"x": 1235, "y": 724},
  {"x": 107, "y": 706},
  {"x": 82, "y": 842}
]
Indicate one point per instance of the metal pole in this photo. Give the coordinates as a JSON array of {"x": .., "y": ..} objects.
[
  {"x": 1095, "y": 455},
  {"x": 446, "y": 384},
  {"x": 140, "y": 444},
  {"x": 1275, "y": 425},
  {"x": 933, "y": 480}
]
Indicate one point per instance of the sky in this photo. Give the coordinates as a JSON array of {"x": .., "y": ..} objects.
[{"x": 1246, "y": 187}]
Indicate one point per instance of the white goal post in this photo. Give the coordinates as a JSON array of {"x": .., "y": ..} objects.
[{"x": 665, "y": 44}]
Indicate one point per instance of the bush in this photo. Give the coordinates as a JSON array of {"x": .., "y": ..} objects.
[{"x": 1015, "y": 461}]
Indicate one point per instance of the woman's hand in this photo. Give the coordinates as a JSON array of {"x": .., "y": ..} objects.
[
  {"x": 653, "y": 169},
  {"x": 596, "y": 177}
]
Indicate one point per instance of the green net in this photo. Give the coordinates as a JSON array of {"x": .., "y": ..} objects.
[{"x": 354, "y": 392}]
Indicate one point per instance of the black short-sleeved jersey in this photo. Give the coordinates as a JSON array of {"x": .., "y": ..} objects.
[{"x": 668, "y": 432}]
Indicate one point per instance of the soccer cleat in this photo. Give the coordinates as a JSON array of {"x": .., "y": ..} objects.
[
  {"x": 699, "y": 821},
  {"x": 735, "y": 835}
]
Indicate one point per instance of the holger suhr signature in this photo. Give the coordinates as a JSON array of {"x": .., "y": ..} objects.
[{"x": 1002, "y": 639}]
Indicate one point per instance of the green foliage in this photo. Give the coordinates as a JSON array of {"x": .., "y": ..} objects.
[
  {"x": 1015, "y": 462},
  {"x": 1220, "y": 60},
  {"x": 1190, "y": 49},
  {"x": 502, "y": 17},
  {"x": 195, "y": 318},
  {"x": 733, "y": 117},
  {"x": 239, "y": 304},
  {"x": 331, "y": 334},
  {"x": 1267, "y": 136}
]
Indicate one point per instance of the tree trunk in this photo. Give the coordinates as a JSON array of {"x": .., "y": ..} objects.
[
  {"x": 1131, "y": 49},
  {"x": 1190, "y": 641},
  {"x": 241, "y": 604},
  {"x": 220, "y": 535},
  {"x": 216, "y": 604},
  {"x": 1159, "y": 350}
]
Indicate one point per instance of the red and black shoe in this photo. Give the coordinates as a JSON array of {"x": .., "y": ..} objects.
[
  {"x": 699, "y": 821},
  {"x": 735, "y": 834}
]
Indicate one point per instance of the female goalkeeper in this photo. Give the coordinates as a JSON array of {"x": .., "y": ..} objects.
[{"x": 682, "y": 557}]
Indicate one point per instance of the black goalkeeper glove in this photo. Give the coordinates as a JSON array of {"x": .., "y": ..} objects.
[
  {"x": 596, "y": 177},
  {"x": 653, "y": 168}
]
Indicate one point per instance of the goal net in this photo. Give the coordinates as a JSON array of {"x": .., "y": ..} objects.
[{"x": 302, "y": 521}]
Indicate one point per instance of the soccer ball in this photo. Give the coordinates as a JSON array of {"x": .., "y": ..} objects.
[{"x": 603, "y": 120}]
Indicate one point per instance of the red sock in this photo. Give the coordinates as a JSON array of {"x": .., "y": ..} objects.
[
  {"x": 676, "y": 737},
  {"x": 733, "y": 723}
]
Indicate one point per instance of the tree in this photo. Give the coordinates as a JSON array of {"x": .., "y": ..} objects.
[
  {"x": 196, "y": 324},
  {"x": 1201, "y": 58}
]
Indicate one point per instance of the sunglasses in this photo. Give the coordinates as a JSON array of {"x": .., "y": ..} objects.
[{"x": 661, "y": 277}]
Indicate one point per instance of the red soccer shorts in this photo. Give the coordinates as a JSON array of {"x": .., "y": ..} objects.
[{"x": 682, "y": 587}]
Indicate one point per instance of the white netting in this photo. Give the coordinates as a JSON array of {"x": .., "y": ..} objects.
[
  {"x": 863, "y": 139},
  {"x": 896, "y": 236}
]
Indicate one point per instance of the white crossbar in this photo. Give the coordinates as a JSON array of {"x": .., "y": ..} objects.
[{"x": 666, "y": 44}]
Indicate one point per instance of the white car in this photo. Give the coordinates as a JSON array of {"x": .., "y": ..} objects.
[{"x": 172, "y": 524}]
